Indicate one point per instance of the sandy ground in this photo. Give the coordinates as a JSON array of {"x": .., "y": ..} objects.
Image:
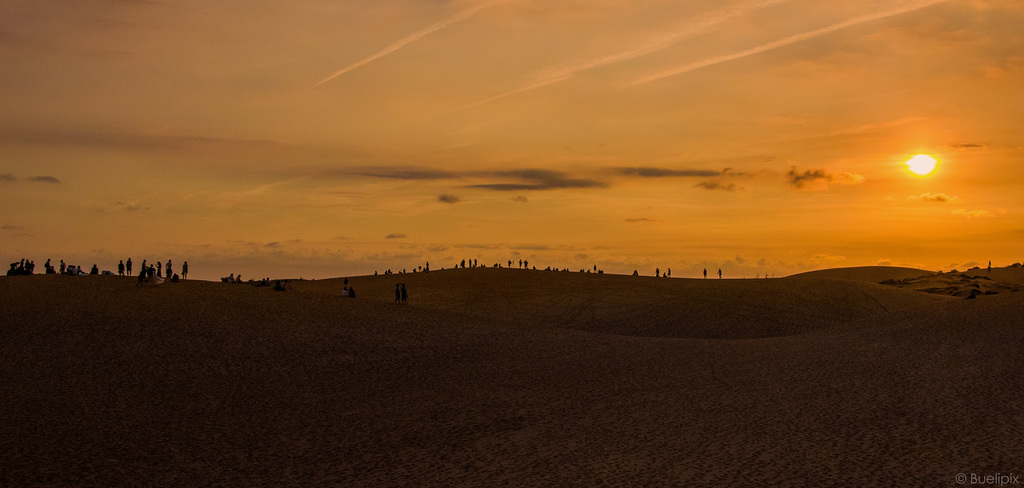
[{"x": 498, "y": 377}]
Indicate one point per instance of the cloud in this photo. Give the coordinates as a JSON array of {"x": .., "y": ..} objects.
[
  {"x": 44, "y": 179},
  {"x": 7, "y": 177},
  {"x": 788, "y": 40},
  {"x": 934, "y": 198},
  {"x": 538, "y": 179},
  {"x": 968, "y": 146},
  {"x": 12, "y": 227},
  {"x": 634, "y": 220},
  {"x": 407, "y": 173},
  {"x": 818, "y": 179},
  {"x": 130, "y": 206},
  {"x": 463, "y": 15},
  {"x": 448, "y": 198},
  {"x": 973, "y": 214},
  {"x": 395, "y": 236},
  {"x": 520, "y": 199},
  {"x": 716, "y": 185},
  {"x": 526, "y": 179},
  {"x": 663, "y": 172},
  {"x": 826, "y": 259}
]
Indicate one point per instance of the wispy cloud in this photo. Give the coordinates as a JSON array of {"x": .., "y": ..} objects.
[
  {"x": 7, "y": 177},
  {"x": 404, "y": 173},
  {"x": 395, "y": 236},
  {"x": 448, "y": 198},
  {"x": 44, "y": 179},
  {"x": 973, "y": 214},
  {"x": 860, "y": 19},
  {"x": 664, "y": 172},
  {"x": 664, "y": 40},
  {"x": 934, "y": 198},
  {"x": 459, "y": 17}
]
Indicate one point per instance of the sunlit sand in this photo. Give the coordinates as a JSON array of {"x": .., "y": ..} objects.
[{"x": 507, "y": 377}]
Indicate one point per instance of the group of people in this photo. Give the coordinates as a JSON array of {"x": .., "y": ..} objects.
[
  {"x": 27, "y": 267},
  {"x": 401, "y": 293},
  {"x": 159, "y": 270},
  {"x": 23, "y": 268},
  {"x": 153, "y": 273}
]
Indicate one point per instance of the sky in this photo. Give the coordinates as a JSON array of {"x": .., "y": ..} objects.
[{"x": 322, "y": 139}]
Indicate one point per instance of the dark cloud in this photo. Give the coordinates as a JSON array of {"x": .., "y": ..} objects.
[
  {"x": 969, "y": 146},
  {"x": 395, "y": 236},
  {"x": 407, "y": 173},
  {"x": 634, "y": 220},
  {"x": 44, "y": 179},
  {"x": 538, "y": 179},
  {"x": 819, "y": 178},
  {"x": 716, "y": 185},
  {"x": 274, "y": 244},
  {"x": 12, "y": 227},
  {"x": 663, "y": 172},
  {"x": 447, "y": 198},
  {"x": 520, "y": 199},
  {"x": 7, "y": 177}
]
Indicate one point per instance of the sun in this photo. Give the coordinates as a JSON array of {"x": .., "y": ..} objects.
[{"x": 921, "y": 165}]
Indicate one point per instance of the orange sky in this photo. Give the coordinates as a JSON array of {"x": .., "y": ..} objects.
[{"x": 330, "y": 138}]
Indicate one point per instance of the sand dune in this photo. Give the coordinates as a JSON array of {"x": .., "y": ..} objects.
[{"x": 497, "y": 377}]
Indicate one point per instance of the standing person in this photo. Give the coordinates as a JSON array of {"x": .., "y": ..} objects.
[
  {"x": 120, "y": 269},
  {"x": 63, "y": 267},
  {"x": 184, "y": 270},
  {"x": 405, "y": 294},
  {"x": 159, "y": 269},
  {"x": 719, "y": 273},
  {"x": 398, "y": 293},
  {"x": 168, "y": 268},
  {"x": 128, "y": 267},
  {"x": 705, "y": 273}
]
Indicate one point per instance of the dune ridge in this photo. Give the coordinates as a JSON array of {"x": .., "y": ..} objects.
[{"x": 498, "y": 377}]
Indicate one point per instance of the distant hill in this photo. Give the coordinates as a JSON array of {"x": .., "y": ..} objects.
[{"x": 873, "y": 274}]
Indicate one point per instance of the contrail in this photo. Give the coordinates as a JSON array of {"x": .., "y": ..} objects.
[
  {"x": 557, "y": 74},
  {"x": 463, "y": 15},
  {"x": 786, "y": 41}
]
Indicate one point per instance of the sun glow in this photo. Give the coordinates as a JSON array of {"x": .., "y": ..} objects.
[{"x": 921, "y": 165}]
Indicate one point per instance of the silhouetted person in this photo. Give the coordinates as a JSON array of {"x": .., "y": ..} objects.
[
  {"x": 184, "y": 270},
  {"x": 405, "y": 294},
  {"x": 657, "y": 272},
  {"x": 990, "y": 266},
  {"x": 128, "y": 267},
  {"x": 167, "y": 269},
  {"x": 719, "y": 273},
  {"x": 64, "y": 267},
  {"x": 705, "y": 273},
  {"x": 142, "y": 278},
  {"x": 668, "y": 272},
  {"x": 159, "y": 269},
  {"x": 636, "y": 273},
  {"x": 120, "y": 268},
  {"x": 398, "y": 294},
  {"x": 94, "y": 270}
]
